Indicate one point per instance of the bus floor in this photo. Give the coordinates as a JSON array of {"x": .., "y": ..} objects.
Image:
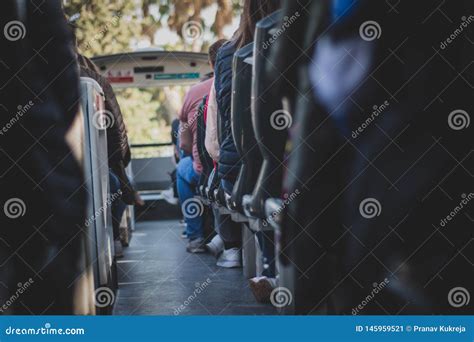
[{"x": 158, "y": 277}]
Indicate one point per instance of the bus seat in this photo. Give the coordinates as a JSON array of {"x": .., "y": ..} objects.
[
  {"x": 241, "y": 123},
  {"x": 270, "y": 131},
  {"x": 206, "y": 160},
  {"x": 97, "y": 179}
]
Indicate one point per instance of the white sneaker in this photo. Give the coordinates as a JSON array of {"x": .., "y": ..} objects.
[
  {"x": 168, "y": 196},
  {"x": 118, "y": 249},
  {"x": 216, "y": 246},
  {"x": 230, "y": 258}
]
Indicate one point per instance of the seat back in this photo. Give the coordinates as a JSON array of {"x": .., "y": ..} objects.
[
  {"x": 270, "y": 121},
  {"x": 99, "y": 216},
  {"x": 206, "y": 160},
  {"x": 242, "y": 129}
]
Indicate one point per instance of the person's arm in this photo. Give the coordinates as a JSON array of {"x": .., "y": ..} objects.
[
  {"x": 119, "y": 131},
  {"x": 185, "y": 135},
  {"x": 211, "y": 141}
]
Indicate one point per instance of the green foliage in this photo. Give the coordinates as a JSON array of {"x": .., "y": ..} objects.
[
  {"x": 114, "y": 26},
  {"x": 144, "y": 126},
  {"x": 104, "y": 27}
]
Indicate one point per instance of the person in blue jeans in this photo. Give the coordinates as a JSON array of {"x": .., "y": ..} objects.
[
  {"x": 187, "y": 179},
  {"x": 190, "y": 167}
]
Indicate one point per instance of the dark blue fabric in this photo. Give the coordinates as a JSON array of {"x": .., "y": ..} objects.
[
  {"x": 341, "y": 8},
  {"x": 229, "y": 159},
  {"x": 187, "y": 179},
  {"x": 118, "y": 206}
]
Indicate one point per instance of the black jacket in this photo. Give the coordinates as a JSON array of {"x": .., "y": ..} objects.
[
  {"x": 39, "y": 97},
  {"x": 117, "y": 140},
  {"x": 229, "y": 159}
]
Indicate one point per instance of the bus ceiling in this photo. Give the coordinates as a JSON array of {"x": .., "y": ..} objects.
[{"x": 153, "y": 68}]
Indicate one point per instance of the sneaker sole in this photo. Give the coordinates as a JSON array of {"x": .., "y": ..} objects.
[
  {"x": 229, "y": 264},
  {"x": 196, "y": 250},
  {"x": 213, "y": 249}
]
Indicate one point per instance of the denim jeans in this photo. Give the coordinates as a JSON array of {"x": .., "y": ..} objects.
[
  {"x": 187, "y": 180},
  {"x": 267, "y": 245},
  {"x": 118, "y": 206}
]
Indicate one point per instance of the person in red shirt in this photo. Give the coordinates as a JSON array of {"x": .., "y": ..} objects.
[{"x": 189, "y": 168}]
